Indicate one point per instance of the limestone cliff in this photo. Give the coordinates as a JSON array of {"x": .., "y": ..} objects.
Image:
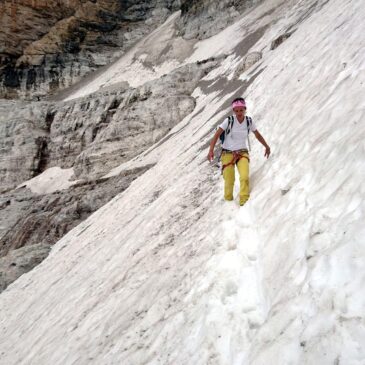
[{"x": 49, "y": 45}]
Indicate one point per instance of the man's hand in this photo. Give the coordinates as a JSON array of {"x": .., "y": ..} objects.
[
  {"x": 267, "y": 151},
  {"x": 210, "y": 155}
]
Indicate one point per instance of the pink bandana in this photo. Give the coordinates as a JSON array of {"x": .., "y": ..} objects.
[{"x": 238, "y": 103}]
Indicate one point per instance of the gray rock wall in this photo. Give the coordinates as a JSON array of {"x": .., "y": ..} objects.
[
  {"x": 21, "y": 261},
  {"x": 204, "y": 18},
  {"x": 46, "y": 46}
]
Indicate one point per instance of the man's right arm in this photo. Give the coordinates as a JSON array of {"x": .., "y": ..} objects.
[{"x": 213, "y": 142}]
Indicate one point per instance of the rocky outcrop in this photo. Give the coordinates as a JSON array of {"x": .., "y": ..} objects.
[
  {"x": 204, "y": 18},
  {"x": 49, "y": 45},
  {"x": 279, "y": 40},
  {"x": 21, "y": 261},
  {"x": 23, "y": 131},
  {"x": 248, "y": 61}
]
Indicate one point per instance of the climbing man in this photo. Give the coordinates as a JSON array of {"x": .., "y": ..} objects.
[{"x": 234, "y": 149}]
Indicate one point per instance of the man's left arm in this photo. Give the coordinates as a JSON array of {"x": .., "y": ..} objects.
[{"x": 261, "y": 139}]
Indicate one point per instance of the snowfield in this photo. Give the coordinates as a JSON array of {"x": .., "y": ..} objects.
[
  {"x": 51, "y": 180},
  {"x": 169, "y": 273}
]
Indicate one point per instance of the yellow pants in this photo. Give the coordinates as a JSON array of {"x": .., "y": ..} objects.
[{"x": 229, "y": 177}]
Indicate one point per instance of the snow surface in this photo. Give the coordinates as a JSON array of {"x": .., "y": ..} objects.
[
  {"x": 51, "y": 180},
  {"x": 131, "y": 67},
  {"x": 169, "y": 273}
]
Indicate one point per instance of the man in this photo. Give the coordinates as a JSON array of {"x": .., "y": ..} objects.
[{"x": 235, "y": 150}]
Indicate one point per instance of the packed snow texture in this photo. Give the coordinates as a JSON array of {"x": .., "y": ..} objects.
[
  {"x": 51, "y": 180},
  {"x": 169, "y": 273}
]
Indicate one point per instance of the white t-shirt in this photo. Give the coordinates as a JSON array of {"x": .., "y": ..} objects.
[{"x": 237, "y": 137}]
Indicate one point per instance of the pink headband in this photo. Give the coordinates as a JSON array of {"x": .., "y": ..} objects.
[{"x": 238, "y": 103}]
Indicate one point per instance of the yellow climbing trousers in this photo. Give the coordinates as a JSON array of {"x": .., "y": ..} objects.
[{"x": 241, "y": 160}]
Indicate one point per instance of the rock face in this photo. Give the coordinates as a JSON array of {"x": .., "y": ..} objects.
[
  {"x": 279, "y": 40},
  {"x": 247, "y": 62},
  {"x": 23, "y": 130},
  {"x": 49, "y": 45},
  {"x": 204, "y": 18},
  {"x": 21, "y": 261}
]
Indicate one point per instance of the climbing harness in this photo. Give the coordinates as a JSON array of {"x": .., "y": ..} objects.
[{"x": 236, "y": 156}]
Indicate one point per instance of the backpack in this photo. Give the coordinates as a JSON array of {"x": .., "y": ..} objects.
[{"x": 222, "y": 137}]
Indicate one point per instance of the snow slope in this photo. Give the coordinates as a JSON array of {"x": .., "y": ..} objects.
[
  {"x": 51, "y": 180},
  {"x": 169, "y": 273}
]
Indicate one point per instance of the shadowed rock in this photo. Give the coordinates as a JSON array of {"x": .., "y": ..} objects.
[
  {"x": 49, "y": 45},
  {"x": 20, "y": 261}
]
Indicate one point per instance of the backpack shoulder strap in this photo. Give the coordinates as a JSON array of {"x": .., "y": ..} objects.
[
  {"x": 230, "y": 124},
  {"x": 249, "y": 123},
  {"x": 222, "y": 137},
  {"x": 230, "y": 120}
]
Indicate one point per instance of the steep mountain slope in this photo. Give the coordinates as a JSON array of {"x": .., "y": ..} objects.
[
  {"x": 168, "y": 273},
  {"x": 65, "y": 147},
  {"x": 49, "y": 45},
  {"x": 46, "y": 46}
]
